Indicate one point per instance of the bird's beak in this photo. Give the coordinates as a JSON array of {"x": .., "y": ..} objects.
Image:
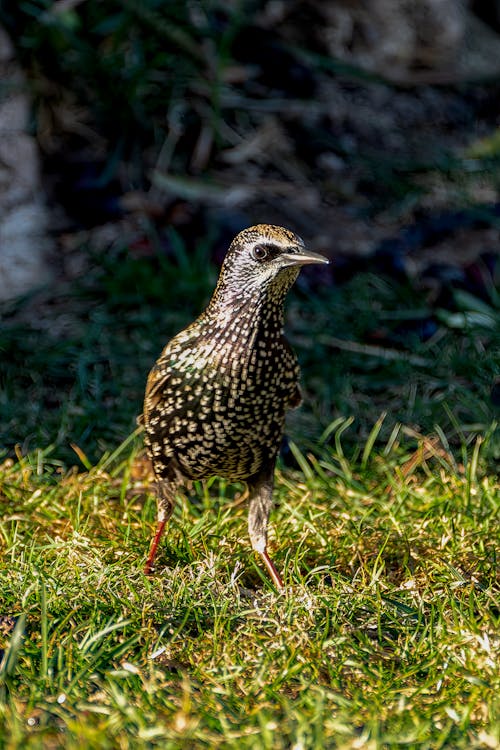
[{"x": 301, "y": 258}]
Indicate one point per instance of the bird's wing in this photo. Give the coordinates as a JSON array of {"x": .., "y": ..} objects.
[
  {"x": 295, "y": 399},
  {"x": 157, "y": 382},
  {"x": 162, "y": 373}
]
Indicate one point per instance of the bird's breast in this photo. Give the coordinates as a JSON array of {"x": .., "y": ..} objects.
[{"x": 219, "y": 400}]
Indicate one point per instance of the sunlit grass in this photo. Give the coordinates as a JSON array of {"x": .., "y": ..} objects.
[{"x": 387, "y": 634}]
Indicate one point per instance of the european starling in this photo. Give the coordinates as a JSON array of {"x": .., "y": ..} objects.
[{"x": 216, "y": 398}]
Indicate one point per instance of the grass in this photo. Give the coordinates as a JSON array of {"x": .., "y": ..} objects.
[
  {"x": 385, "y": 528},
  {"x": 386, "y": 637}
]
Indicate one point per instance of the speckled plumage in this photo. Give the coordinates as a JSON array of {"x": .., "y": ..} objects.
[{"x": 216, "y": 399}]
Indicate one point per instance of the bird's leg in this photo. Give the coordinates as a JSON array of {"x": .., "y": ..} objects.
[
  {"x": 260, "y": 503},
  {"x": 165, "y": 500}
]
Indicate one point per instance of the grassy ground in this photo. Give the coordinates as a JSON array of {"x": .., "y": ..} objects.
[{"x": 387, "y": 635}]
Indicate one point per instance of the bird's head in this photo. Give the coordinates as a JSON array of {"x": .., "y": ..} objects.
[{"x": 262, "y": 262}]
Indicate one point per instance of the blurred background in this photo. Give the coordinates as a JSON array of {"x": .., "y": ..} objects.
[{"x": 137, "y": 138}]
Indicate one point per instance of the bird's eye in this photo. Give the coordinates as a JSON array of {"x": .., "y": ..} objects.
[{"x": 259, "y": 252}]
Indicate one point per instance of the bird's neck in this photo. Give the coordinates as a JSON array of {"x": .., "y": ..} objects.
[{"x": 249, "y": 316}]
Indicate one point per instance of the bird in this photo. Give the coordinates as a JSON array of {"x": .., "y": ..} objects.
[{"x": 216, "y": 398}]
